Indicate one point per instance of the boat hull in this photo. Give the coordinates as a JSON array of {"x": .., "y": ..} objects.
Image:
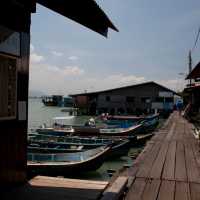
[
  {"x": 66, "y": 168},
  {"x": 90, "y": 131},
  {"x": 119, "y": 150}
]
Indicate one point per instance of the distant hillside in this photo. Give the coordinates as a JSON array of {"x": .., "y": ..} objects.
[{"x": 36, "y": 93}]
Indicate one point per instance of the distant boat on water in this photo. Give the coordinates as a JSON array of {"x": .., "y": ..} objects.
[
  {"x": 54, "y": 100},
  {"x": 57, "y": 100}
]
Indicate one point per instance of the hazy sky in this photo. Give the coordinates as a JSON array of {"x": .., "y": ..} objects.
[{"x": 152, "y": 45}]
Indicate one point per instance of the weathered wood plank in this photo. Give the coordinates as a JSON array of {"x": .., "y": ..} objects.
[
  {"x": 116, "y": 189},
  {"x": 159, "y": 136},
  {"x": 180, "y": 171},
  {"x": 167, "y": 190},
  {"x": 67, "y": 183},
  {"x": 195, "y": 191},
  {"x": 148, "y": 162},
  {"x": 191, "y": 165},
  {"x": 169, "y": 166},
  {"x": 64, "y": 188},
  {"x": 140, "y": 159},
  {"x": 171, "y": 132},
  {"x": 196, "y": 150},
  {"x": 151, "y": 189},
  {"x": 66, "y": 180},
  {"x": 158, "y": 164},
  {"x": 176, "y": 132},
  {"x": 137, "y": 189},
  {"x": 182, "y": 191}
]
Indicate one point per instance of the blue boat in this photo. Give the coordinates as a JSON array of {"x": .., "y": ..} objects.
[
  {"x": 61, "y": 164},
  {"x": 55, "y": 144},
  {"x": 148, "y": 122}
]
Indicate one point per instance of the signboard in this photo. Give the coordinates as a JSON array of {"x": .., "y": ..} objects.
[
  {"x": 9, "y": 41},
  {"x": 165, "y": 94}
]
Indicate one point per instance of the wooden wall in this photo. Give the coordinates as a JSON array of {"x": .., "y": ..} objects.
[
  {"x": 118, "y": 98},
  {"x": 13, "y": 132}
]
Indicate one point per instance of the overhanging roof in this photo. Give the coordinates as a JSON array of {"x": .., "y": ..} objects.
[
  {"x": 195, "y": 73},
  {"x": 85, "y": 12}
]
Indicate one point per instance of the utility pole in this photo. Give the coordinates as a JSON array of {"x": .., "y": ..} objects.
[{"x": 190, "y": 65}]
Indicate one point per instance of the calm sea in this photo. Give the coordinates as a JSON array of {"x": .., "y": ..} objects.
[{"x": 39, "y": 114}]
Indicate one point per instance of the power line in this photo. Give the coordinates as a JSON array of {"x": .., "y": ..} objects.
[{"x": 197, "y": 38}]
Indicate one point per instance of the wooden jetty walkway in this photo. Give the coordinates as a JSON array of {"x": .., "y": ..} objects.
[{"x": 167, "y": 169}]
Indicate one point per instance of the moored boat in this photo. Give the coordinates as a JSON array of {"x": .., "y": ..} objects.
[
  {"x": 90, "y": 131},
  {"x": 125, "y": 117},
  {"x": 120, "y": 147},
  {"x": 40, "y": 148},
  {"x": 128, "y": 120},
  {"x": 67, "y": 142},
  {"x": 60, "y": 164},
  {"x": 149, "y": 124}
]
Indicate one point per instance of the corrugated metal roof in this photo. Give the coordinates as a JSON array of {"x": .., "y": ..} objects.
[
  {"x": 125, "y": 87},
  {"x": 195, "y": 73},
  {"x": 85, "y": 12}
]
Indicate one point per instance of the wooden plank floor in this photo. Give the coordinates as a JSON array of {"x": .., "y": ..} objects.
[
  {"x": 49, "y": 188},
  {"x": 169, "y": 166}
]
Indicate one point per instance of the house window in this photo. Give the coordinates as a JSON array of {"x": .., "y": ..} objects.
[
  {"x": 130, "y": 99},
  {"x": 159, "y": 99},
  {"x": 130, "y": 110},
  {"x": 8, "y": 87},
  {"x": 169, "y": 99},
  {"x": 107, "y": 98},
  {"x": 145, "y": 99},
  {"x": 120, "y": 111}
]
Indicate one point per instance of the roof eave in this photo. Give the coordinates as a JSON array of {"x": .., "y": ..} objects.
[{"x": 86, "y": 13}]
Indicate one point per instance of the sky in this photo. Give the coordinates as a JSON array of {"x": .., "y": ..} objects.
[{"x": 152, "y": 44}]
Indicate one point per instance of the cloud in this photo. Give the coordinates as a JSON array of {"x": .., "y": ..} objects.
[
  {"x": 65, "y": 80},
  {"x": 174, "y": 84},
  {"x": 32, "y": 48},
  {"x": 65, "y": 71},
  {"x": 125, "y": 79},
  {"x": 35, "y": 58},
  {"x": 72, "y": 70},
  {"x": 57, "y": 54},
  {"x": 98, "y": 83},
  {"x": 92, "y": 84},
  {"x": 69, "y": 79},
  {"x": 73, "y": 58},
  {"x": 53, "y": 79}
]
